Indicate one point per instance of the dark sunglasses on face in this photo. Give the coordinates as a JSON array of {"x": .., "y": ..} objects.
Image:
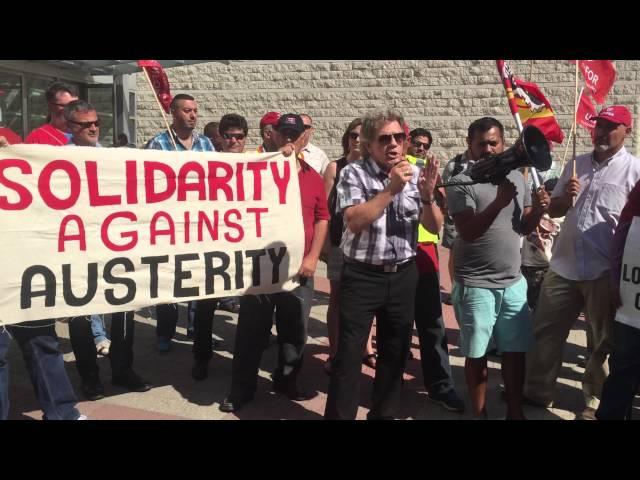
[
  {"x": 237, "y": 136},
  {"x": 291, "y": 134},
  {"x": 398, "y": 137},
  {"x": 354, "y": 135},
  {"x": 85, "y": 124},
  {"x": 308, "y": 127},
  {"x": 416, "y": 143}
]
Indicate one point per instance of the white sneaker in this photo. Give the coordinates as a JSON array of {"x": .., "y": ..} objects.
[
  {"x": 82, "y": 417},
  {"x": 103, "y": 348}
]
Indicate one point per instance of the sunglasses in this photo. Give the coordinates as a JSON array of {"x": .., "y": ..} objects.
[
  {"x": 354, "y": 135},
  {"x": 58, "y": 104},
  {"x": 398, "y": 137},
  {"x": 237, "y": 136},
  {"x": 308, "y": 127},
  {"x": 416, "y": 143},
  {"x": 85, "y": 124},
  {"x": 291, "y": 134}
]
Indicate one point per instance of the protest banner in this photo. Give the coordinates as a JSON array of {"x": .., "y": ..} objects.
[
  {"x": 629, "y": 312},
  {"x": 95, "y": 230}
]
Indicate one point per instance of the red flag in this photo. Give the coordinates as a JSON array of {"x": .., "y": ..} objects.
[
  {"x": 599, "y": 76},
  {"x": 535, "y": 109},
  {"x": 159, "y": 81},
  {"x": 586, "y": 111}
]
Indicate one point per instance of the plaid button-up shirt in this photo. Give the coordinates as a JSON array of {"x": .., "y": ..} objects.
[
  {"x": 162, "y": 141},
  {"x": 390, "y": 239}
]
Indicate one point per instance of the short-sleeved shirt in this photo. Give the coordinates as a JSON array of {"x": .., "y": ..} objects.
[
  {"x": 581, "y": 251},
  {"x": 48, "y": 135},
  {"x": 493, "y": 259},
  {"x": 314, "y": 201},
  {"x": 162, "y": 141},
  {"x": 392, "y": 237}
]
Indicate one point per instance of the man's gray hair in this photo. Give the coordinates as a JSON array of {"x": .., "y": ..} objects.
[
  {"x": 77, "y": 106},
  {"x": 372, "y": 122}
]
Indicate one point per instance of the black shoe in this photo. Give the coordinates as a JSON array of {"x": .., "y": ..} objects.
[
  {"x": 291, "y": 390},
  {"x": 229, "y": 404},
  {"x": 449, "y": 400},
  {"x": 92, "y": 389},
  {"x": 131, "y": 381},
  {"x": 200, "y": 370}
]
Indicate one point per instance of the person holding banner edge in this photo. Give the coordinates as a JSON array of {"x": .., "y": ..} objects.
[{"x": 292, "y": 309}]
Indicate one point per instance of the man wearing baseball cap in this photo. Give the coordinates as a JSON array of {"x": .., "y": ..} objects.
[
  {"x": 578, "y": 276},
  {"x": 268, "y": 124},
  {"x": 291, "y": 308}
]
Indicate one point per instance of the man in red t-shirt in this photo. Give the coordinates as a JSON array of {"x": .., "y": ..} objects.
[
  {"x": 55, "y": 132},
  {"x": 291, "y": 308}
]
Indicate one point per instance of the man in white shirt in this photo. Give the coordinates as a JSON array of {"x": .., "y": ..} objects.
[
  {"x": 578, "y": 276},
  {"x": 313, "y": 156}
]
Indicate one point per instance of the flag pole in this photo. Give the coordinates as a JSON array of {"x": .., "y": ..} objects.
[
  {"x": 513, "y": 106},
  {"x": 164, "y": 117},
  {"x": 575, "y": 121},
  {"x": 566, "y": 148}
]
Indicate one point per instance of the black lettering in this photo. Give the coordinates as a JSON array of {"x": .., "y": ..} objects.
[
  {"x": 210, "y": 272},
  {"x": 113, "y": 280},
  {"x": 255, "y": 255},
  {"x": 276, "y": 260},
  {"x": 153, "y": 262},
  {"x": 49, "y": 292},
  {"x": 178, "y": 290},
  {"x": 239, "y": 268},
  {"x": 92, "y": 285},
  {"x": 635, "y": 275},
  {"x": 638, "y": 301}
]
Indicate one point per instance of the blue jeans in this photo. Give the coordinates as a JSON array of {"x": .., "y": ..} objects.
[
  {"x": 4, "y": 374},
  {"x": 39, "y": 344},
  {"x": 621, "y": 385},
  {"x": 97, "y": 329}
]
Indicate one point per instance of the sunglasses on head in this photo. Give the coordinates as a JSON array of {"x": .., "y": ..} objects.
[
  {"x": 424, "y": 145},
  {"x": 354, "y": 135},
  {"x": 85, "y": 124},
  {"x": 237, "y": 136},
  {"x": 398, "y": 137}
]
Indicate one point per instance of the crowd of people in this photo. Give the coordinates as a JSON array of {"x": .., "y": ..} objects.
[{"x": 524, "y": 264}]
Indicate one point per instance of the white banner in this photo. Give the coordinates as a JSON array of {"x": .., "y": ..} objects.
[
  {"x": 100, "y": 230},
  {"x": 629, "y": 312}
]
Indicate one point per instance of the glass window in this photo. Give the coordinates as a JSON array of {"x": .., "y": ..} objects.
[
  {"x": 11, "y": 103},
  {"x": 37, "y": 107},
  {"x": 102, "y": 99}
]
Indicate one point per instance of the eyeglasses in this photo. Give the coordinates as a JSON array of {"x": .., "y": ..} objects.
[
  {"x": 354, "y": 135},
  {"x": 308, "y": 127},
  {"x": 424, "y": 145},
  {"x": 58, "y": 104},
  {"x": 237, "y": 136},
  {"x": 290, "y": 134},
  {"x": 84, "y": 125},
  {"x": 398, "y": 137}
]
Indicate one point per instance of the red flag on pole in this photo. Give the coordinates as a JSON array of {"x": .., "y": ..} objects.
[
  {"x": 586, "y": 111},
  {"x": 599, "y": 76},
  {"x": 159, "y": 81},
  {"x": 535, "y": 109}
]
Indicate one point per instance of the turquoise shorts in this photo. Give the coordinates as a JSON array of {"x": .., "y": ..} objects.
[{"x": 499, "y": 312}]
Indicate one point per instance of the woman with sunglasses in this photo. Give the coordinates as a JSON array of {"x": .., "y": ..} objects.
[{"x": 352, "y": 151}]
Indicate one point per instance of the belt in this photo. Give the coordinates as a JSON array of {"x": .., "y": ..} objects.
[{"x": 387, "y": 268}]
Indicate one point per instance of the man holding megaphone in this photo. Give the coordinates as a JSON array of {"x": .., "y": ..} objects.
[{"x": 489, "y": 293}]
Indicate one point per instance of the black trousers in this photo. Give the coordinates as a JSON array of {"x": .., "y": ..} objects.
[
  {"x": 390, "y": 297},
  {"x": 621, "y": 385},
  {"x": 254, "y": 324},
  {"x": 120, "y": 351},
  {"x": 167, "y": 315},
  {"x": 434, "y": 352},
  {"x": 203, "y": 329}
]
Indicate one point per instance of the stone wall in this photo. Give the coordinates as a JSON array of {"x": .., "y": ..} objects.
[{"x": 443, "y": 96}]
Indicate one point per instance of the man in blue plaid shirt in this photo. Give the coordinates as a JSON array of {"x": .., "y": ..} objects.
[{"x": 183, "y": 137}]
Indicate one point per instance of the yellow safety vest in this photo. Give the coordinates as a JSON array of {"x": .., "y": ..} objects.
[{"x": 424, "y": 235}]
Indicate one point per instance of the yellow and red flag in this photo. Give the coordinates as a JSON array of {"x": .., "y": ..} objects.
[{"x": 535, "y": 109}]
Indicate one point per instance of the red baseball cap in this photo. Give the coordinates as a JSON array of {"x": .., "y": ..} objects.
[
  {"x": 269, "y": 118},
  {"x": 615, "y": 114}
]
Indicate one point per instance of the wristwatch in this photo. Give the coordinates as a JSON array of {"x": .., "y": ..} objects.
[{"x": 428, "y": 202}]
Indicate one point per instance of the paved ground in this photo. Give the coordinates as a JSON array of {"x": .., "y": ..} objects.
[{"x": 177, "y": 396}]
